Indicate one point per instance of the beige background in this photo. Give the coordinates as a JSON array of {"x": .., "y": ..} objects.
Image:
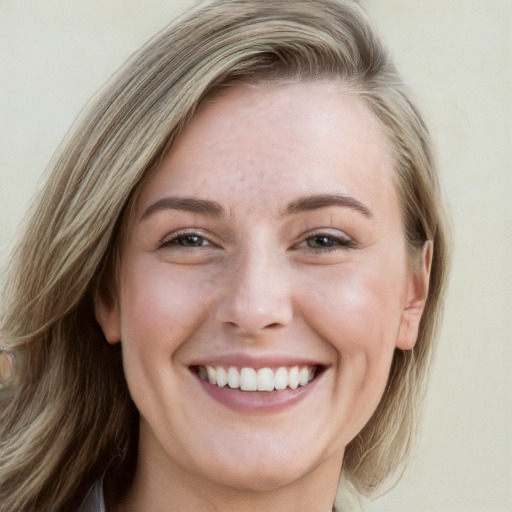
[{"x": 457, "y": 54}]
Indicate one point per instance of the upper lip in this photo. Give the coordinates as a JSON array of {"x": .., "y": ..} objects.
[{"x": 256, "y": 362}]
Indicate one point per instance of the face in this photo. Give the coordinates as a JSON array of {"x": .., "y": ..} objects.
[{"x": 264, "y": 286}]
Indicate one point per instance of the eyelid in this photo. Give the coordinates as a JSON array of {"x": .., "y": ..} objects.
[
  {"x": 346, "y": 241},
  {"x": 175, "y": 235}
]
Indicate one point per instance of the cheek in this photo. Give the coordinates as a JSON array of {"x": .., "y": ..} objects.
[
  {"x": 160, "y": 309},
  {"x": 358, "y": 312}
]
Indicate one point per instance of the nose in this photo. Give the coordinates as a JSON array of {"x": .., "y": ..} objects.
[{"x": 256, "y": 296}]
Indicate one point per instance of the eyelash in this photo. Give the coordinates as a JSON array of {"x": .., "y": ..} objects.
[
  {"x": 175, "y": 238},
  {"x": 335, "y": 242},
  {"x": 332, "y": 242}
]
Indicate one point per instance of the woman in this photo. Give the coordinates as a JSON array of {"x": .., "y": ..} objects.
[{"x": 241, "y": 253}]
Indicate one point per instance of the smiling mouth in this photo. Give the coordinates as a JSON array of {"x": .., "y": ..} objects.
[{"x": 261, "y": 379}]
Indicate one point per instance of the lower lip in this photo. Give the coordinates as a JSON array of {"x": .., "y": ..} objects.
[{"x": 257, "y": 401}]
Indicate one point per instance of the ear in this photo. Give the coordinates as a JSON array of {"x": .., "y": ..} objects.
[
  {"x": 106, "y": 310},
  {"x": 416, "y": 297}
]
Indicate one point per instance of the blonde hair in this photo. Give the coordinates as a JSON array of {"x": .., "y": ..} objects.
[{"x": 71, "y": 418}]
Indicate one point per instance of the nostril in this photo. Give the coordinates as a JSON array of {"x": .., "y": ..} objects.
[
  {"x": 247, "y": 328},
  {"x": 274, "y": 325},
  {"x": 253, "y": 316}
]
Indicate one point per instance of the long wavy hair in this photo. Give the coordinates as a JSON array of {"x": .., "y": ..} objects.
[{"x": 70, "y": 419}]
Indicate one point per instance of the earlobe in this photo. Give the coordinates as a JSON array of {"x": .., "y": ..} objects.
[
  {"x": 416, "y": 297},
  {"x": 107, "y": 315}
]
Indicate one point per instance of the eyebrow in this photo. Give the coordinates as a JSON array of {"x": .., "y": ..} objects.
[
  {"x": 189, "y": 204},
  {"x": 323, "y": 200},
  {"x": 214, "y": 209}
]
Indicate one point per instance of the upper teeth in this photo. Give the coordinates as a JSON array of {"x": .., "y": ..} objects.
[{"x": 263, "y": 379}]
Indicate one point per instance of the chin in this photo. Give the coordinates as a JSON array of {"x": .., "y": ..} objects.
[
  {"x": 259, "y": 479},
  {"x": 265, "y": 472}
]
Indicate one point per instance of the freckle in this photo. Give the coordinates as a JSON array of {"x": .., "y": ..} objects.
[{"x": 241, "y": 177}]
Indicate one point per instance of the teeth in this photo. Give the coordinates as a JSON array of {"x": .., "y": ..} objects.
[
  {"x": 248, "y": 379},
  {"x": 212, "y": 375},
  {"x": 263, "y": 379},
  {"x": 293, "y": 377},
  {"x": 281, "y": 378},
  {"x": 303, "y": 376},
  {"x": 222, "y": 376},
  {"x": 233, "y": 378}
]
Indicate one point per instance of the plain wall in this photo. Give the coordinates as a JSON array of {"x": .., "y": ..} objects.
[{"x": 457, "y": 56}]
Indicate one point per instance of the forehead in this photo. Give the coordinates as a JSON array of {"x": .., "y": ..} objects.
[{"x": 265, "y": 143}]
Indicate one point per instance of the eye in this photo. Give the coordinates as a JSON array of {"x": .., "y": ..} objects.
[
  {"x": 327, "y": 242},
  {"x": 322, "y": 242},
  {"x": 186, "y": 240}
]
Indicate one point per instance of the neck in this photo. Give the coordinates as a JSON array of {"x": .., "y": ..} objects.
[{"x": 203, "y": 497}]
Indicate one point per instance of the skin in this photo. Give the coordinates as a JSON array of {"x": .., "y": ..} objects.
[{"x": 332, "y": 283}]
